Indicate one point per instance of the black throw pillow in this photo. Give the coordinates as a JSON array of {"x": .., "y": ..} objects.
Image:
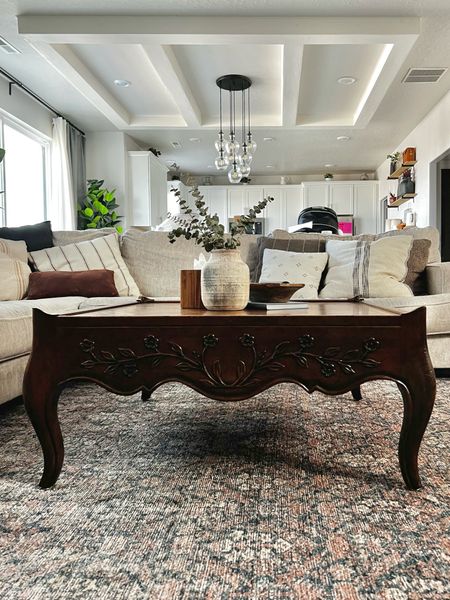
[{"x": 36, "y": 237}]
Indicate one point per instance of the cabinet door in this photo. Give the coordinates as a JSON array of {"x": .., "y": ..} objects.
[
  {"x": 216, "y": 199},
  {"x": 315, "y": 194},
  {"x": 341, "y": 198},
  {"x": 236, "y": 201},
  {"x": 274, "y": 211},
  {"x": 293, "y": 205},
  {"x": 365, "y": 213}
]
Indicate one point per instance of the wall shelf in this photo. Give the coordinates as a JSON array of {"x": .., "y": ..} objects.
[
  {"x": 400, "y": 200},
  {"x": 399, "y": 172}
]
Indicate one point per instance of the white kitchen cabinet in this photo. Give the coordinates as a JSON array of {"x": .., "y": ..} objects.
[
  {"x": 293, "y": 201},
  {"x": 147, "y": 188},
  {"x": 216, "y": 200},
  {"x": 366, "y": 213},
  {"x": 315, "y": 194},
  {"x": 340, "y": 197},
  {"x": 357, "y": 198},
  {"x": 274, "y": 212}
]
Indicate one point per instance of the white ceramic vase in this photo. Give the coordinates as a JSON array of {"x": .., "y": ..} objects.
[{"x": 225, "y": 281}]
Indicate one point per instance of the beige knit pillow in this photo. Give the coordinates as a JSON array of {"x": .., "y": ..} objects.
[{"x": 14, "y": 275}]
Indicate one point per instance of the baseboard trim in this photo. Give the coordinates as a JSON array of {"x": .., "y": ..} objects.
[{"x": 442, "y": 373}]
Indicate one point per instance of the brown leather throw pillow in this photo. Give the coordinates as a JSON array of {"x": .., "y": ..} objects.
[{"x": 54, "y": 284}]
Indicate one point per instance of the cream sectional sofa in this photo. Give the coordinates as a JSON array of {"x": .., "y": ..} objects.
[{"x": 155, "y": 264}]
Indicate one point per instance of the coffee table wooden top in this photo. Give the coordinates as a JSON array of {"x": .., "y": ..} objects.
[{"x": 342, "y": 311}]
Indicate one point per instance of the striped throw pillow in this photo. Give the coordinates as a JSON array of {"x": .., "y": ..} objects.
[
  {"x": 14, "y": 275},
  {"x": 100, "y": 253},
  {"x": 14, "y": 249},
  {"x": 369, "y": 269}
]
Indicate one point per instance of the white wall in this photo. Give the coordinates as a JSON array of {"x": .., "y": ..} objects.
[
  {"x": 24, "y": 109},
  {"x": 106, "y": 158},
  {"x": 431, "y": 137}
]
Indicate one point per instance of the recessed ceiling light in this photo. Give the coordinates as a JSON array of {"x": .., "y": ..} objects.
[
  {"x": 343, "y": 138},
  {"x": 329, "y": 165},
  {"x": 122, "y": 82},
  {"x": 347, "y": 80},
  {"x": 194, "y": 139},
  {"x": 269, "y": 166},
  {"x": 268, "y": 139}
]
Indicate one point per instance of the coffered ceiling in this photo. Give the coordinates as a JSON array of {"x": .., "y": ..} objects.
[{"x": 294, "y": 62}]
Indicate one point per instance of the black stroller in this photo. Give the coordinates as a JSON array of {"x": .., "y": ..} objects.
[{"x": 322, "y": 217}]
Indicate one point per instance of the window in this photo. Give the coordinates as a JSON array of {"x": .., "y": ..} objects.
[{"x": 23, "y": 176}]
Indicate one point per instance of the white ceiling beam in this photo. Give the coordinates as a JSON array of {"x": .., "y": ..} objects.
[
  {"x": 96, "y": 29},
  {"x": 164, "y": 62},
  {"x": 292, "y": 70},
  {"x": 65, "y": 61}
]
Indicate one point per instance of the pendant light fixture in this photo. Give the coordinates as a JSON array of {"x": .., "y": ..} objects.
[{"x": 234, "y": 156}]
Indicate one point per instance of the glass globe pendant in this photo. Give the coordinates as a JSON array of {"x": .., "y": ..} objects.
[
  {"x": 234, "y": 174},
  {"x": 231, "y": 152}
]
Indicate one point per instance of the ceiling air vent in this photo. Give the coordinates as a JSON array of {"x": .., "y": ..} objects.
[
  {"x": 7, "y": 47},
  {"x": 176, "y": 145},
  {"x": 423, "y": 75}
]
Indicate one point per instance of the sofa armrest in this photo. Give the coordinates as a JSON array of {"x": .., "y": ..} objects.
[{"x": 438, "y": 278}]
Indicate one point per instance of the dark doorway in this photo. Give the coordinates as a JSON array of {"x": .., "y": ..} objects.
[{"x": 445, "y": 214}]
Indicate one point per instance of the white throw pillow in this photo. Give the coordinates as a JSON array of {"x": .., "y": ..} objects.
[
  {"x": 294, "y": 267},
  {"x": 369, "y": 269},
  {"x": 14, "y": 275},
  {"x": 100, "y": 253},
  {"x": 14, "y": 249}
]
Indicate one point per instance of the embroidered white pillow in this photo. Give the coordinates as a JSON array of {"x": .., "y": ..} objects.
[
  {"x": 14, "y": 275},
  {"x": 100, "y": 253},
  {"x": 369, "y": 269},
  {"x": 294, "y": 267}
]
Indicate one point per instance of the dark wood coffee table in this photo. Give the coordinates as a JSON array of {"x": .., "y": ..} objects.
[{"x": 332, "y": 346}]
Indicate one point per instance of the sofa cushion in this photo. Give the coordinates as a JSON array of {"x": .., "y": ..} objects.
[
  {"x": 294, "y": 267},
  {"x": 36, "y": 236},
  {"x": 438, "y": 309},
  {"x": 14, "y": 275},
  {"x": 310, "y": 242},
  {"x": 56, "y": 284},
  {"x": 420, "y": 233},
  {"x": 99, "y": 253},
  {"x": 14, "y": 249},
  {"x": 16, "y": 321},
  {"x": 155, "y": 263},
  {"x": 367, "y": 269},
  {"x": 62, "y": 238}
]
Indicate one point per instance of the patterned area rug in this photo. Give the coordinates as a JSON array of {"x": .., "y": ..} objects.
[{"x": 280, "y": 497}]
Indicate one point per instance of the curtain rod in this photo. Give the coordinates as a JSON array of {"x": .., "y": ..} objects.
[{"x": 14, "y": 81}]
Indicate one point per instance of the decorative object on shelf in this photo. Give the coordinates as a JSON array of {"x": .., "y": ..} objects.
[
  {"x": 225, "y": 279},
  {"x": 406, "y": 184},
  {"x": 284, "y": 180},
  {"x": 245, "y": 180},
  {"x": 273, "y": 292},
  {"x": 409, "y": 156},
  {"x": 235, "y": 157},
  {"x": 364, "y": 177},
  {"x": 155, "y": 152},
  {"x": 328, "y": 176},
  {"x": 394, "y": 158},
  {"x": 99, "y": 208},
  {"x": 207, "y": 180}
]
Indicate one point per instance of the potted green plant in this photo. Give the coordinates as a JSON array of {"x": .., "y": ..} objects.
[
  {"x": 99, "y": 208},
  {"x": 394, "y": 158},
  {"x": 2, "y": 154},
  {"x": 225, "y": 279}
]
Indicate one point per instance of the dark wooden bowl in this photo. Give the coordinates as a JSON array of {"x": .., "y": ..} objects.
[{"x": 273, "y": 292}]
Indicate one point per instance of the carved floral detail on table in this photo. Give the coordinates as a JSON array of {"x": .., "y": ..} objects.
[{"x": 331, "y": 361}]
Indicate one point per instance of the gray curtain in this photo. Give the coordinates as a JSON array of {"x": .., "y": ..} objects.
[{"x": 77, "y": 158}]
